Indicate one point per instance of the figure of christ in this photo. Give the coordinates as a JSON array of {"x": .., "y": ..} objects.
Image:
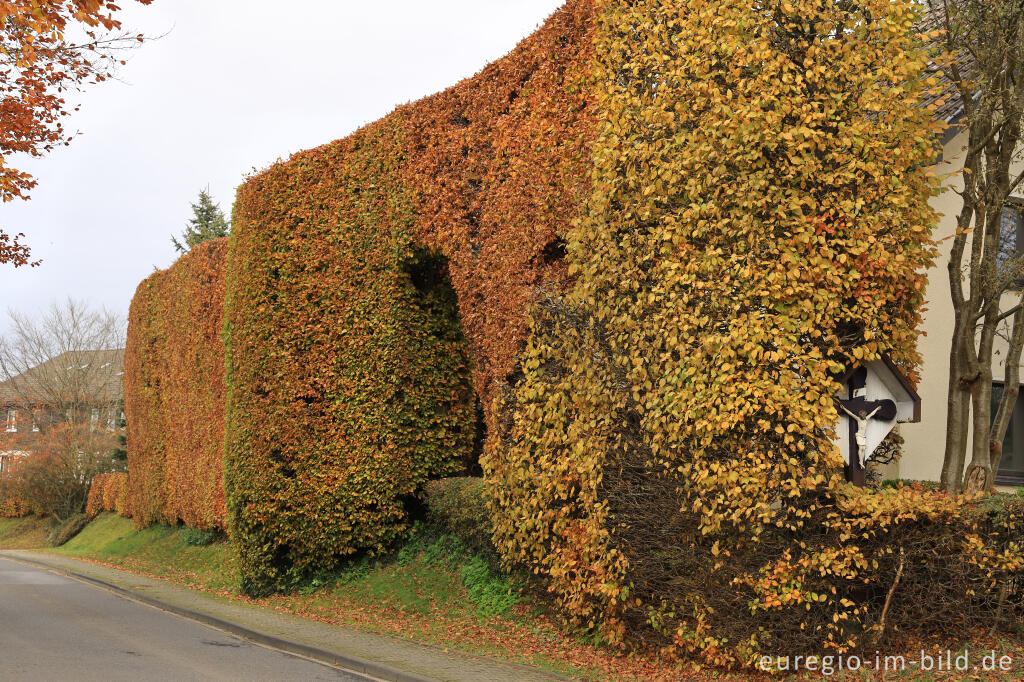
[{"x": 861, "y": 411}]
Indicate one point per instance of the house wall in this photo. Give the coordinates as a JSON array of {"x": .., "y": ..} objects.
[{"x": 925, "y": 441}]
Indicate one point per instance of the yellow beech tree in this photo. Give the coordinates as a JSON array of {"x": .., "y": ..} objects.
[{"x": 759, "y": 222}]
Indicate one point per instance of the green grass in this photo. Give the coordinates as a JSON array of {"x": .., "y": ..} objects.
[
  {"x": 431, "y": 571},
  {"x": 160, "y": 550},
  {"x": 432, "y": 589},
  {"x": 25, "y": 533}
]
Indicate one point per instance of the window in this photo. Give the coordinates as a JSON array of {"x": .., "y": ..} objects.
[
  {"x": 35, "y": 421},
  {"x": 12, "y": 421},
  {"x": 1011, "y": 236},
  {"x": 5, "y": 463},
  {"x": 1011, "y": 467},
  {"x": 115, "y": 419},
  {"x": 94, "y": 418}
]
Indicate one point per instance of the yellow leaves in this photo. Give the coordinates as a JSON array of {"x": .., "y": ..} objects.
[{"x": 727, "y": 258}]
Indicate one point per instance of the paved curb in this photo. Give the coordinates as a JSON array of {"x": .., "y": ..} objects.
[{"x": 351, "y": 663}]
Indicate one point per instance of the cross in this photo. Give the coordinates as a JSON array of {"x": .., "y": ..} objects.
[{"x": 860, "y": 410}]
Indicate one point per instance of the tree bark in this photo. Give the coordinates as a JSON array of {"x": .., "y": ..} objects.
[
  {"x": 985, "y": 277},
  {"x": 958, "y": 412},
  {"x": 1011, "y": 389},
  {"x": 979, "y": 472}
]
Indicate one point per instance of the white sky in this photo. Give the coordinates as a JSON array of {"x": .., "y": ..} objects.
[{"x": 233, "y": 86}]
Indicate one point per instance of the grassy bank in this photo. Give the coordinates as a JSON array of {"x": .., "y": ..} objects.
[
  {"x": 433, "y": 590},
  {"x": 26, "y": 533},
  {"x": 159, "y": 551}
]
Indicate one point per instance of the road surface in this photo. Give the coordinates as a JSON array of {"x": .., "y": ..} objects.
[{"x": 56, "y": 628}]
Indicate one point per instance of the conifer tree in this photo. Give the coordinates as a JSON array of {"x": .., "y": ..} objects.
[{"x": 207, "y": 222}]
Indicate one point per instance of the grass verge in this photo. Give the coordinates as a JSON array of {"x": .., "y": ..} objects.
[
  {"x": 158, "y": 551},
  {"x": 432, "y": 590},
  {"x": 25, "y": 533}
]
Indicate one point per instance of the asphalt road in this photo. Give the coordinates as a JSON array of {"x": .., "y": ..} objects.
[{"x": 56, "y": 628}]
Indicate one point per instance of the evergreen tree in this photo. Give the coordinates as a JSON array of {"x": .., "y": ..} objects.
[{"x": 207, "y": 222}]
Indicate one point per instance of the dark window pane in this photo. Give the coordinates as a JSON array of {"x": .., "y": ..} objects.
[
  {"x": 1010, "y": 229},
  {"x": 997, "y": 395},
  {"x": 1011, "y": 465}
]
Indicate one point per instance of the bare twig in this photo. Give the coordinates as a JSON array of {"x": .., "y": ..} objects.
[{"x": 888, "y": 599}]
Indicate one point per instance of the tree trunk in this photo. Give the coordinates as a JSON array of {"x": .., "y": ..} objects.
[
  {"x": 979, "y": 476},
  {"x": 958, "y": 412},
  {"x": 1011, "y": 388},
  {"x": 979, "y": 472}
]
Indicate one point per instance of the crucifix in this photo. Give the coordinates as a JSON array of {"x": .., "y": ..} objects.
[{"x": 861, "y": 411}]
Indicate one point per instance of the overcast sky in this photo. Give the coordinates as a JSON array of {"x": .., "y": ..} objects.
[{"x": 233, "y": 86}]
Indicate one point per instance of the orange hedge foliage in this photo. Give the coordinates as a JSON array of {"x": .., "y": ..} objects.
[
  {"x": 12, "y": 504},
  {"x": 174, "y": 392},
  {"x": 143, "y": 406},
  {"x": 349, "y": 354},
  {"x": 109, "y": 492},
  {"x": 12, "y": 507},
  {"x": 742, "y": 195}
]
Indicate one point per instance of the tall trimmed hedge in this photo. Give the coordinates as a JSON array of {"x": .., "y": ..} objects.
[
  {"x": 374, "y": 282},
  {"x": 145, "y": 420},
  {"x": 175, "y": 392},
  {"x": 758, "y": 223},
  {"x": 109, "y": 492},
  {"x": 645, "y": 246}
]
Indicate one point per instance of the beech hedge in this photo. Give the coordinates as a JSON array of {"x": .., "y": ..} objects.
[
  {"x": 375, "y": 282},
  {"x": 638, "y": 253},
  {"x": 110, "y": 493},
  {"x": 175, "y": 392},
  {"x": 458, "y": 506},
  {"x": 759, "y": 222}
]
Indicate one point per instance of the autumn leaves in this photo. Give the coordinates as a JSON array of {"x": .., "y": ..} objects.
[{"x": 648, "y": 241}]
